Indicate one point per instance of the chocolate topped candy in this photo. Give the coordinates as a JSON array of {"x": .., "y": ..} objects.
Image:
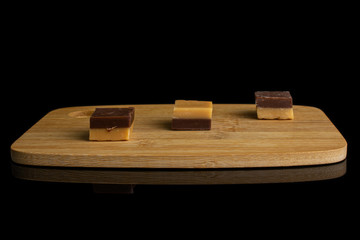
[
  {"x": 274, "y": 105},
  {"x": 111, "y": 124}
]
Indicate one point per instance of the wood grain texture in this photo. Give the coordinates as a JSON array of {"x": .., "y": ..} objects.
[{"x": 237, "y": 139}]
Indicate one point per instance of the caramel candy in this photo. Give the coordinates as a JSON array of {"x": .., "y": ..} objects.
[
  {"x": 274, "y": 105},
  {"x": 192, "y": 115},
  {"x": 111, "y": 124},
  {"x": 192, "y": 109},
  {"x": 275, "y": 113}
]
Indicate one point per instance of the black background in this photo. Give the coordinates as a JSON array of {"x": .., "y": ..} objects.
[{"x": 56, "y": 60}]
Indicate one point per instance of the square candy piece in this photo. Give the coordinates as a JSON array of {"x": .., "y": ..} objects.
[
  {"x": 111, "y": 124},
  {"x": 274, "y": 105},
  {"x": 192, "y": 115}
]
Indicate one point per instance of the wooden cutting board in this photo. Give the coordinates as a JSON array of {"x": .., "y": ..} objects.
[{"x": 237, "y": 140}]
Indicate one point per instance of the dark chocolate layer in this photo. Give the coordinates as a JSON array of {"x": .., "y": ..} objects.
[
  {"x": 273, "y": 99},
  {"x": 112, "y": 117},
  {"x": 190, "y": 124}
]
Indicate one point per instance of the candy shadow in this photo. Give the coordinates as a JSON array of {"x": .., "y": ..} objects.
[
  {"x": 83, "y": 135},
  {"x": 248, "y": 114},
  {"x": 164, "y": 124}
]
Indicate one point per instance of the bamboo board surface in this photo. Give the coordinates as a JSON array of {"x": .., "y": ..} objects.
[{"x": 237, "y": 139}]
